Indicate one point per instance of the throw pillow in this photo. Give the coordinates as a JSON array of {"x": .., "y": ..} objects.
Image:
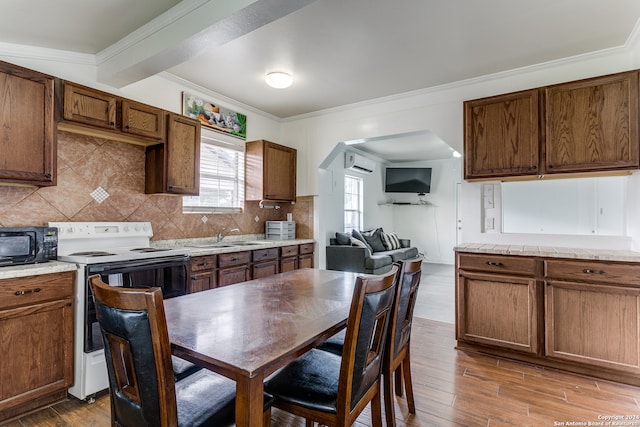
[
  {"x": 356, "y": 234},
  {"x": 343, "y": 238},
  {"x": 356, "y": 242},
  {"x": 391, "y": 241},
  {"x": 374, "y": 239}
]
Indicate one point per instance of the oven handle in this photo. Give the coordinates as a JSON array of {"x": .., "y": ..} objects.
[{"x": 126, "y": 266}]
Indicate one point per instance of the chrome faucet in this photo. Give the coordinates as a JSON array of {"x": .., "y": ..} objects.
[{"x": 221, "y": 234}]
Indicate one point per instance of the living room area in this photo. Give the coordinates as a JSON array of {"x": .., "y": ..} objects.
[{"x": 429, "y": 220}]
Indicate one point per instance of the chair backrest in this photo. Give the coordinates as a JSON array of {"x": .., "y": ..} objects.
[
  {"x": 408, "y": 283},
  {"x": 138, "y": 354},
  {"x": 366, "y": 334}
]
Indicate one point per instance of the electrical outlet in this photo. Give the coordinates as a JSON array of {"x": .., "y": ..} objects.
[{"x": 488, "y": 223}]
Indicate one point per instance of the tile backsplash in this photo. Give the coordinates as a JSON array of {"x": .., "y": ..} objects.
[{"x": 103, "y": 180}]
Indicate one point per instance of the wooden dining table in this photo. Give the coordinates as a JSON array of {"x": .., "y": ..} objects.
[{"x": 249, "y": 330}]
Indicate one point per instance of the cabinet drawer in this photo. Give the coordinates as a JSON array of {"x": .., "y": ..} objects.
[
  {"x": 265, "y": 254},
  {"x": 202, "y": 263},
  {"x": 234, "y": 258},
  {"x": 35, "y": 289},
  {"x": 593, "y": 271},
  {"x": 306, "y": 248},
  {"x": 287, "y": 251},
  {"x": 497, "y": 264}
]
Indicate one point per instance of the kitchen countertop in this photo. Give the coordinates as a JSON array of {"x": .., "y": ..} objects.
[
  {"x": 551, "y": 252},
  {"x": 208, "y": 246},
  {"x": 13, "y": 271}
]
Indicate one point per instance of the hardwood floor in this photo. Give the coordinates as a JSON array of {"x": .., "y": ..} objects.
[{"x": 451, "y": 388}]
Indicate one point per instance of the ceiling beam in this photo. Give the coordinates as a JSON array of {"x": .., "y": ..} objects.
[{"x": 183, "y": 32}]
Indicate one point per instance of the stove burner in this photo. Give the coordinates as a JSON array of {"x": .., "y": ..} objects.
[
  {"x": 148, "y": 250},
  {"x": 91, "y": 253}
]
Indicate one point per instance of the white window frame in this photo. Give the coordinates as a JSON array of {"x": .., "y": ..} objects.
[
  {"x": 196, "y": 204},
  {"x": 359, "y": 211}
]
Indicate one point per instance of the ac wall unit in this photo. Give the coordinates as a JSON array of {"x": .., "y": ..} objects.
[{"x": 358, "y": 163}]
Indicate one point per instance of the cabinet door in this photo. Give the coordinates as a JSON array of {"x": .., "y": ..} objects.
[
  {"x": 305, "y": 261},
  {"x": 279, "y": 173},
  {"x": 28, "y": 136},
  {"x": 183, "y": 155},
  {"x": 229, "y": 276},
  {"x": 143, "y": 120},
  {"x": 596, "y": 325},
  {"x": 500, "y": 311},
  {"x": 593, "y": 124},
  {"x": 202, "y": 281},
  {"x": 501, "y": 135},
  {"x": 89, "y": 106},
  {"x": 264, "y": 269},
  {"x": 36, "y": 342},
  {"x": 288, "y": 264}
]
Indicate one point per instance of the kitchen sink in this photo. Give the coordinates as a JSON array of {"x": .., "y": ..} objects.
[{"x": 224, "y": 245}]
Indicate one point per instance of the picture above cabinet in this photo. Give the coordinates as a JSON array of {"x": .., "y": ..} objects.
[{"x": 585, "y": 126}]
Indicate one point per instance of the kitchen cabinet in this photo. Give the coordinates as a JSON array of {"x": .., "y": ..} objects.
[
  {"x": 289, "y": 258},
  {"x": 270, "y": 171},
  {"x": 498, "y": 300},
  {"x": 203, "y": 273},
  {"x": 234, "y": 267},
  {"x": 265, "y": 263},
  {"x": 174, "y": 167},
  {"x": 124, "y": 119},
  {"x": 28, "y": 141},
  {"x": 305, "y": 259},
  {"x": 585, "y": 126},
  {"x": 501, "y": 135},
  {"x": 36, "y": 342},
  {"x": 592, "y": 314},
  {"x": 592, "y": 124}
]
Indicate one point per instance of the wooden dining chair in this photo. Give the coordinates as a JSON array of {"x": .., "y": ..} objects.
[
  {"x": 333, "y": 390},
  {"x": 397, "y": 361},
  {"x": 143, "y": 389}
]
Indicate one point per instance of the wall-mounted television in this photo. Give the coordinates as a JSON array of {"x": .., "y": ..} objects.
[{"x": 407, "y": 180}]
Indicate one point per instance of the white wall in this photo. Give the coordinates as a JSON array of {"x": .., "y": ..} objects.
[{"x": 440, "y": 110}]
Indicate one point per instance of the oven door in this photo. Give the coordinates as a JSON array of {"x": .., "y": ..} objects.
[{"x": 171, "y": 274}]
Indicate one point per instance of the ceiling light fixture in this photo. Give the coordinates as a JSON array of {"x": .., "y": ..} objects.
[{"x": 278, "y": 79}]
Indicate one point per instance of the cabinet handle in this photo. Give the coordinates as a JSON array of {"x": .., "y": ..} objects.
[
  {"x": 112, "y": 124},
  {"x": 495, "y": 264},
  {"x": 203, "y": 264},
  {"x": 47, "y": 175},
  {"x": 126, "y": 127},
  {"x": 588, "y": 271},
  {"x": 534, "y": 167},
  {"x": 31, "y": 291},
  {"x": 550, "y": 166}
]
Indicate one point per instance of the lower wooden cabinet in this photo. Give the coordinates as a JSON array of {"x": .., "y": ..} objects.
[
  {"x": 234, "y": 268},
  {"x": 36, "y": 342},
  {"x": 498, "y": 310},
  {"x": 265, "y": 263},
  {"x": 579, "y": 315},
  {"x": 598, "y": 325},
  {"x": 305, "y": 259},
  {"x": 289, "y": 258},
  {"x": 203, "y": 273}
]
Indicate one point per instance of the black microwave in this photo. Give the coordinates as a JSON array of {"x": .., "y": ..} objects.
[{"x": 28, "y": 245}]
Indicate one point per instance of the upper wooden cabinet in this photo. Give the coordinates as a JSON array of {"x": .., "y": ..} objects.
[
  {"x": 270, "y": 171},
  {"x": 127, "y": 120},
  {"x": 593, "y": 124},
  {"x": 174, "y": 167},
  {"x": 584, "y": 126},
  {"x": 502, "y": 136},
  {"x": 27, "y": 119}
]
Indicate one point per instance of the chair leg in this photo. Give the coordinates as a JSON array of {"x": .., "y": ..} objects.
[
  {"x": 266, "y": 418},
  {"x": 309, "y": 423},
  {"x": 408, "y": 385},
  {"x": 398, "y": 377},
  {"x": 376, "y": 410},
  {"x": 389, "y": 404}
]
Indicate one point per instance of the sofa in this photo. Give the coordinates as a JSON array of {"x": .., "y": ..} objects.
[{"x": 369, "y": 252}]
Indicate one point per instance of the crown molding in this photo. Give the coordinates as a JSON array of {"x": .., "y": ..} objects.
[{"x": 46, "y": 54}]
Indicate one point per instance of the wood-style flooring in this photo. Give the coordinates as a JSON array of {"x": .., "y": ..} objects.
[{"x": 451, "y": 388}]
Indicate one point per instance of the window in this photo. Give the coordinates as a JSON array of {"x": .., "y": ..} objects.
[
  {"x": 353, "y": 203},
  {"x": 221, "y": 179}
]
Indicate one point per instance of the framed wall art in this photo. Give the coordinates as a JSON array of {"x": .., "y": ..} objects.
[{"x": 214, "y": 116}]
